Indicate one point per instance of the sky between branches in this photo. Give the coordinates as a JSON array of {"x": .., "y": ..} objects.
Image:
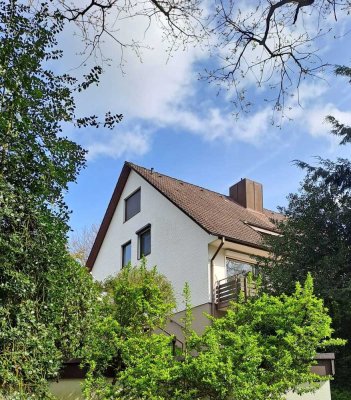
[{"x": 185, "y": 127}]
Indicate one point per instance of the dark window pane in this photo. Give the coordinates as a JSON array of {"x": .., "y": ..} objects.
[
  {"x": 132, "y": 205},
  {"x": 145, "y": 243},
  {"x": 126, "y": 253}
]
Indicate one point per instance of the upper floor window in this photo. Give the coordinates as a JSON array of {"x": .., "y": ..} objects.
[
  {"x": 132, "y": 205},
  {"x": 144, "y": 241},
  {"x": 126, "y": 253}
]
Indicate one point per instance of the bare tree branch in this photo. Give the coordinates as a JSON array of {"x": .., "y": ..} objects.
[{"x": 262, "y": 39}]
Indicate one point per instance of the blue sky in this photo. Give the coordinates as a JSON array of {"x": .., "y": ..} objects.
[{"x": 183, "y": 127}]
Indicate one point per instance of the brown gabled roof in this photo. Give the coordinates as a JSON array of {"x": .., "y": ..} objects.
[{"x": 216, "y": 213}]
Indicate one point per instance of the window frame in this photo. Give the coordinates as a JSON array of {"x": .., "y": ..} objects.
[
  {"x": 252, "y": 265},
  {"x": 140, "y": 232},
  {"x": 124, "y": 245},
  {"x": 126, "y": 201}
]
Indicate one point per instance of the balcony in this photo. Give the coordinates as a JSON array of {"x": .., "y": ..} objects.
[{"x": 228, "y": 289}]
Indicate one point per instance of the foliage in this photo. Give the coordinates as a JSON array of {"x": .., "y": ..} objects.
[
  {"x": 188, "y": 318},
  {"x": 47, "y": 300},
  {"x": 139, "y": 298},
  {"x": 316, "y": 239},
  {"x": 134, "y": 304},
  {"x": 260, "y": 349},
  {"x": 82, "y": 242},
  {"x": 47, "y": 303},
  {"x": 340, "y": 394}
]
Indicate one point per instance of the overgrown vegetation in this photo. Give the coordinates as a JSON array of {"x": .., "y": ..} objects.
[
  {"x": 46, "y": 298},
  {"x": 341, "y": 394},
  {"x": 134, "y": 304},
  {"x": 316, "y": 240},
  {"x": 48, "y": 302},
  {"x": 260, "y": 349}
]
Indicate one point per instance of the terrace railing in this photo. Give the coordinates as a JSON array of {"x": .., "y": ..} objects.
[{"x": 228, "y": 289}]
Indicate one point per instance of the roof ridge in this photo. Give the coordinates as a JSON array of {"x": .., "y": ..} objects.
[
  {"x": 132, "y": 165},
  {"x": 188, "y": 183}
]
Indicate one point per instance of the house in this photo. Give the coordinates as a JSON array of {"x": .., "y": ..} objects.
[{"x": 193, "y": 235}]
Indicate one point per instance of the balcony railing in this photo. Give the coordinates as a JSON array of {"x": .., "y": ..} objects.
[{"x": 228, "y": 289}]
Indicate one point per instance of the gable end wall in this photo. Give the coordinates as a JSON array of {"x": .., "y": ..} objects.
[{"x": 179, "y": 247}]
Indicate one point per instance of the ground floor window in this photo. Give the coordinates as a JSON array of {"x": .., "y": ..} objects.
[{"x": 235, "y": 267}]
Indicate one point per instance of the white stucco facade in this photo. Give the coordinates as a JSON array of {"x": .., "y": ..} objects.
[
  {"x": 322, "y": 393},
  {"x": 179, "y": 247}
]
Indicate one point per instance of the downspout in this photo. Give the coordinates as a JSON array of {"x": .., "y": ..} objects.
[{"x": 213, "y": 299}]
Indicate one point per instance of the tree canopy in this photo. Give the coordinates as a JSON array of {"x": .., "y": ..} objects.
[
  {"x": 43, "y": 315},
  {"x": 273, "y": 44},
  {"x": 316, "y": 239}
]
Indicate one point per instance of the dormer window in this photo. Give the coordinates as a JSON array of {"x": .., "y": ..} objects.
[{"x": 132, "y": 205}]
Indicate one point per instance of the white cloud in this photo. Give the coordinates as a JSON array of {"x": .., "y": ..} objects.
[
  {"x": 146, "y": 88},
  {"x": 311, "y": 92},
  {"x": 219, "y": 124},
  {"x": 315, "y": 118},
  {"x": 310, "y": 109},
  {"x": 124, "y": 144},
  {"x": 160, "y": 93}
]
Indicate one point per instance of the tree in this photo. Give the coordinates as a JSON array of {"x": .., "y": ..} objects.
[
  {"x": 82, "y": 242},
  {"x": 43, "y": 315},
  {"x": 134, "y": 304},
  {"x": 273, "y": 43},
  {"x": 316, "y": 240},
  {"x": 260, "y": 349},
  {"x": 47, "y": 300}
]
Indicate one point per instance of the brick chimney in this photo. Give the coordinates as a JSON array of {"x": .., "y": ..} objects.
[{"x": 248, "y": 193}]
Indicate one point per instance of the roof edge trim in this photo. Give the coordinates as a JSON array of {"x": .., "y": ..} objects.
[{"x": 116, "y": 195}]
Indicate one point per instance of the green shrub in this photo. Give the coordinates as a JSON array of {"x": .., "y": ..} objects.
[{"x": 341, "y": 394}]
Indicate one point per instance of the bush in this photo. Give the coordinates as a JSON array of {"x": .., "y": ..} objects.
[{"x": 340, "y": 394}]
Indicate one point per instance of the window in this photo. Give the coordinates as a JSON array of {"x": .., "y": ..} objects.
[
  {"x": 144, "y": 241},
  {"x": 126, "y": 253},
  {"x": 132, "y": 205},
  {"x": 235, "y": 267}
]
